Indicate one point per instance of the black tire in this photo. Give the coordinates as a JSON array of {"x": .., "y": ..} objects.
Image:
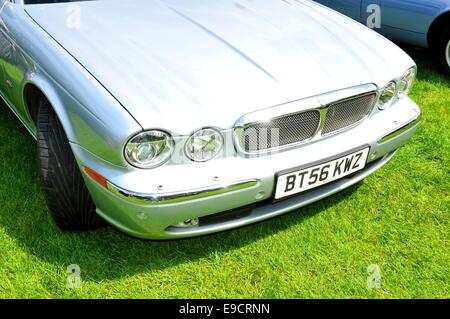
[
  {"x": 441, "y": 50},
  {"x": 67, "y": 196}
]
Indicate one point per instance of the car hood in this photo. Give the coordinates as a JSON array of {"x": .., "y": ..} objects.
[{"x": 182, "y": 65}]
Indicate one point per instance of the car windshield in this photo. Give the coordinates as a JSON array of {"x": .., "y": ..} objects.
[{"x": 51, "y": 1}]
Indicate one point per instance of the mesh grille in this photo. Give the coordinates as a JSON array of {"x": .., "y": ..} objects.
[
  {"x": 280, "y": 131},
  {"x": 346, "y": 113}
]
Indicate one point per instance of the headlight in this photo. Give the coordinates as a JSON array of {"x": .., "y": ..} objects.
[
  {"x": 204, "y": 145},
  {"x": 387, "y": 95},
  {"x": 149, "y": 149},
  {"x": 406, "y": 82}
]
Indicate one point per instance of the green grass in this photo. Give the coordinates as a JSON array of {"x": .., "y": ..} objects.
[{"x": 398, "y": 219}]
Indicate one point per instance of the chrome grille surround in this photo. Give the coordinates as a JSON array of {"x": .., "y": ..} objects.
[{"x": 349, "y": 108}]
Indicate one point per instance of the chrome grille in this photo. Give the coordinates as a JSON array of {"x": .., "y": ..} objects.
[
  {"x": 348, "y": 112},
  {"x": 301, "y": 121},
  {"x": 280, "y": 131}
]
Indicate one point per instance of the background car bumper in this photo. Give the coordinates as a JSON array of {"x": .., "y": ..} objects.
[{"x": 148, "y": 203}]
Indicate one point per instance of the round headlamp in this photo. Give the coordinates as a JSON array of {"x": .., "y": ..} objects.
[
  {"x": 204, "y": 145},
  {"x": 406, "y": 82},
  {"x": 387, "y": 95},
  {"x": 149, "y": 149}
]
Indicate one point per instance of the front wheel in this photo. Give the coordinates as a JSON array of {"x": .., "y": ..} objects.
[
  {"x": 442, "y": 51},
  {"x": 67, "y": 196}
]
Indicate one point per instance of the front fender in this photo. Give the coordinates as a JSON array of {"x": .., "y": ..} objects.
[
  {"x": 99, "y": 135},
  {"x": 90, "y": 115}
]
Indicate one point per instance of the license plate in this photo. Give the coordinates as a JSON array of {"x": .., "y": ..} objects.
[{"x": 303, "y": 179}]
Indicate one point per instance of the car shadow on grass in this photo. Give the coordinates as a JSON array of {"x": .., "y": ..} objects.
[{"x": 106, "y": 253}]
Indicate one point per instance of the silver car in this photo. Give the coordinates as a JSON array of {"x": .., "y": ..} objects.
[{"x": 171, "y": 119}]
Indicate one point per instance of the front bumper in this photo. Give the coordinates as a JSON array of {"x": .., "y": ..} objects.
[{"x": 148, "y": 203}]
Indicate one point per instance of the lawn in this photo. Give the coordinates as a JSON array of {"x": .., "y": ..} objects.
[{"x": 398, "y": 219}]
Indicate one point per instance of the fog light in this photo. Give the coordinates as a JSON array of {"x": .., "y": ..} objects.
[{"x": 194, "y": 222}]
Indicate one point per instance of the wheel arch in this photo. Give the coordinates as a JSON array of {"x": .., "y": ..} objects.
[
  {"x": 441, "y": 21},
  {"x": 37, "y": 87},
  {"x": 32, "y": 94}
]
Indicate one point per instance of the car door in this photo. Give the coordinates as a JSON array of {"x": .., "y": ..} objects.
[
  {"x": 408, "y": 21},
  {"x": 13, "y": 63},
  {"x": 6, "y": 52},
  {"x": 351, "y": 8}
]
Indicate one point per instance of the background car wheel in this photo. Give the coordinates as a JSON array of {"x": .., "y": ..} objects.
[
  {"x": 66, "y": 193},
  {"x": 443, "y": 51}
]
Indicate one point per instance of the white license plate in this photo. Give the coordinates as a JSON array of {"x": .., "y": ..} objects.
[{"x": 304, "y": 179}]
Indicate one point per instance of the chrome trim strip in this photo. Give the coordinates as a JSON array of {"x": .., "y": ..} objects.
[
  {"x": 170, "y": 198},
  {"x": 320, "y": 102},
  {"x": 336, "y": 96},
  {"x": 400, "y": 130},
  {"x": 266, "y": 115}
]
